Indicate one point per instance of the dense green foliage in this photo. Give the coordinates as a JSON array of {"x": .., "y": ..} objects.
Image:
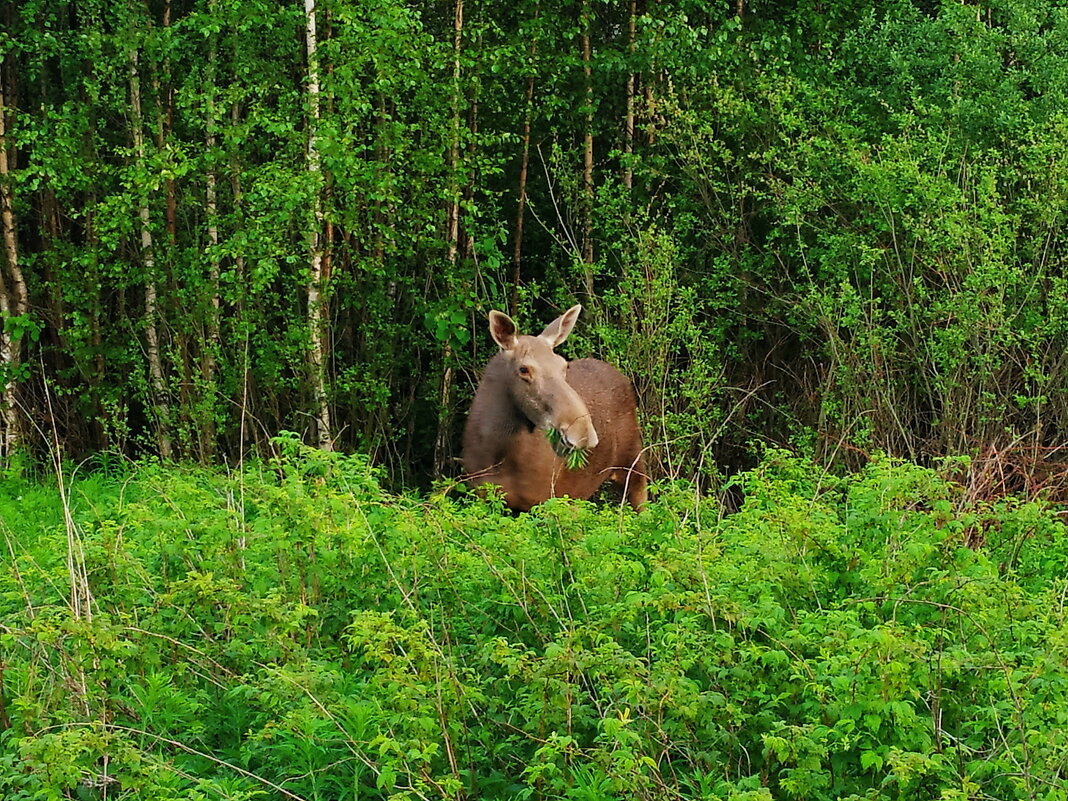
[
  {"x": 292, "y": 631},
  {"x": 842, "y": 226},
  {"x": 834, "y": 224}
]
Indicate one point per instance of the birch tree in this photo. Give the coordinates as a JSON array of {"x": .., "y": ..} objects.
[
  {"x": 14, "y": 301},
  {"x": 316, "y": 299}
]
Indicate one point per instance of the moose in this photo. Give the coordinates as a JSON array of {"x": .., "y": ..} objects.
[{"x": 528, "y": 391}]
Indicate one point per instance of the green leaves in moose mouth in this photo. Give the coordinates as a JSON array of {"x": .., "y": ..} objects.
[{"x": 574, "y": 458}]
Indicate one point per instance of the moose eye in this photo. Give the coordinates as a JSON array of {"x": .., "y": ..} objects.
[{"x": 524, "y": 370}]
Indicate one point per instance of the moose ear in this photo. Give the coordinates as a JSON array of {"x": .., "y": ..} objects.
[
  {"x": 502, "y": 329},
  {"x": 557, "y": 331}
]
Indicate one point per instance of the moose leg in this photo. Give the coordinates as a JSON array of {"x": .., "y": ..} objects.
[
  {"x": 636, "y": 490},
  {"x": 633, "y": 482}
]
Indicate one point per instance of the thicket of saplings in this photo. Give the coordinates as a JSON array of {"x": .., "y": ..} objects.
[
  {"x": 843, "y": 222},
  {"x": 289, "y": 630}
]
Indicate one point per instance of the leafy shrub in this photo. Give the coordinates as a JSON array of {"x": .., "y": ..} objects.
[{"x": 291, "y": 631}]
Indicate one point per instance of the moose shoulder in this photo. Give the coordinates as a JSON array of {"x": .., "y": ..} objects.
[{"x": 528, "y": 389}]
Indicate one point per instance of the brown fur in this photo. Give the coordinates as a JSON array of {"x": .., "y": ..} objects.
[{"x": 504, "y": 446}]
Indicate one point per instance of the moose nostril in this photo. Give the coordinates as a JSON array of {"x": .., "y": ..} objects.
[{"x": 579, "y": 436}]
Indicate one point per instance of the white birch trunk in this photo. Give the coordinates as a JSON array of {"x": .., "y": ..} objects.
[
  {"x": 14, "y": 299},
  {"x": 316, "y": 301}
]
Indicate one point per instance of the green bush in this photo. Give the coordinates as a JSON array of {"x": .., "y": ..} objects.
[{"x": 289, "y": 630}]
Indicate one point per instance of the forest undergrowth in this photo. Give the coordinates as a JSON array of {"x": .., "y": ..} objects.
[{"x": 290, "y": 630}]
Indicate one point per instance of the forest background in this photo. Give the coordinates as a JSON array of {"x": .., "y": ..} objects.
[
  {"x": 259, "y": 240},
  {"x": 836, "y": 225}
]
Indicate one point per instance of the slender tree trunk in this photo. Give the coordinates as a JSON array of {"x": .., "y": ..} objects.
[
  {"x": 51, "y": 236},
  {"x": 650, "y": 114},
  {"x": 103, "y": 415},
  {"x": 528, "y": 114},
  {"x": 377, "y": 211},
  {"x": 453, "y": 215},
  {"x": 166, "y": 97},
  {"x": 155, "y": 364},
  {"x": 587, "y": 173},
  {"x": 96, "y": 337},
  {"x": 50, "y": 231},
  {"x": 466, "y": 242},
  {"x": 441, "y": 441},
  {"x": 212, "y": 344},
  {"x": 628, "y": 134},
  {"x": 14, "y": 299},
  {"x": 316, "y": 301},
  {"x": 163, "y": 87},
  {"x": 328, "y": 197},
  {"x": 241, "y": 303}
]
